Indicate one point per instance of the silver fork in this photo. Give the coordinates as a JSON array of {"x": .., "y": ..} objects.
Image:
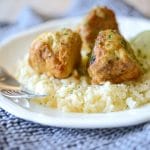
[{"x": 11, "y": 88}]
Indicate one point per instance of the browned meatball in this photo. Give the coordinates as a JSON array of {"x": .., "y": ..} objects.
[
  {"x": 99, "y": 18},
  {"x": 56, "y": 54},
  {"x": 112, "y": 59}
]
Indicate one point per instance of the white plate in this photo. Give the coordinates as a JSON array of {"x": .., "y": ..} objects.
[{"x": 15, "y": 48}]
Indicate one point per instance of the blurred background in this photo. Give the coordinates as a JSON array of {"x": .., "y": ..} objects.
[{"x": 18, "y": 15}]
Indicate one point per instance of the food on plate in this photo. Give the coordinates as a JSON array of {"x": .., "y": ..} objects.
[
  {"x": 112, "y": 59},
  {"x": 78, "y": 95},
  {"x": 120, "y": 71},
  {"x": 99, "y": 18},
  {"x": 56, "y": 54}
]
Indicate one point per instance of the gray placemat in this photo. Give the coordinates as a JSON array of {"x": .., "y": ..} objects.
[{"x": 18, "y": 134}]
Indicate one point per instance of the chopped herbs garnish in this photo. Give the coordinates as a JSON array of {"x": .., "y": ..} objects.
[
  {"x": 109, "y": 36},
  {"x": 65, "y": 33},
  {"x": 124, "y": 43},
  {"x": 139, "y": 52},
  {"x": 92, "y": 59}
]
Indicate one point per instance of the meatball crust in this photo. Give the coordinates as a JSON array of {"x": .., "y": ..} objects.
[
  {"x": 56, "y": 54},
  {"x": 112, "y": 59},
  {"x": 99, "y": 18}
]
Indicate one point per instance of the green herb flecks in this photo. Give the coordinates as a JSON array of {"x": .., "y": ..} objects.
[
  {"x": 109, "y": 36},
  {"x": 92, "y": 59},
  {"x": 123, "y": 43},
  {"x": 139, "y": 52}
]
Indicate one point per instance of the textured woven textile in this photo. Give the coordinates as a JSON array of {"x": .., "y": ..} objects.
[{"x": 18, "y": 134}]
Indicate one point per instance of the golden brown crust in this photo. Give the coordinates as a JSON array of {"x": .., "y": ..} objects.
[
  {"x": 112, "y": 59},
  {"x": 99, "y": 18},
  {"x": 56, "y": 54}
]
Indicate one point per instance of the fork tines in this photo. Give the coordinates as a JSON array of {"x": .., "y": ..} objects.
[{"x": 17, "y": 94}]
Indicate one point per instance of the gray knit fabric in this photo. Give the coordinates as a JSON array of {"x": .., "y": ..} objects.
[
  {"x": 19, "y": 134},
  {"x": 16, "y": 134}
]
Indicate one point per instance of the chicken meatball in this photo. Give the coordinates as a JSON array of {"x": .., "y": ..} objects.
[
  {"x": 56, "y": 54},
  {"x": 99, "y": 18},
  {"x": 112, "y": 59}
]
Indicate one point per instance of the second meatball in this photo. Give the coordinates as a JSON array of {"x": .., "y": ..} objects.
[{"x": 98, "y": 19}]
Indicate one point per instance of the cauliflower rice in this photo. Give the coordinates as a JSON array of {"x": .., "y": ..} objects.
[{"x": 77, "y": 95}]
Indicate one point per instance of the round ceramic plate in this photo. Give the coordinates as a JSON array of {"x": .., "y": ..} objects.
[{"x": 16, "y": 47}]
